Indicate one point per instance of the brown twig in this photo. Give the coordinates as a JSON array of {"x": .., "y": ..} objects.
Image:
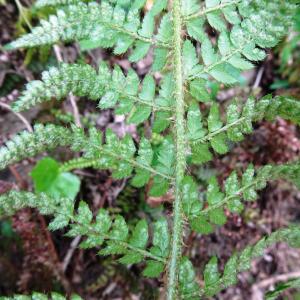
[
  {"x": 257, "y": 293},
  {"x": 72, "y": 98},
  {"x": 18, "y": 115}
]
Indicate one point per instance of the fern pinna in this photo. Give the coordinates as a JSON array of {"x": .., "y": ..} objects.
[{"x": 180, "y": 107}]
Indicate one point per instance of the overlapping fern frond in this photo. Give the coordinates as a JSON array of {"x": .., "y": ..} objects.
[
  {"x": 112, "y": 233},
  {"x": 118, "y": 155}
]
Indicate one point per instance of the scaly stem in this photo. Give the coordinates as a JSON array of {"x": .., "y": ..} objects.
[{"x": 180, "y": 156}]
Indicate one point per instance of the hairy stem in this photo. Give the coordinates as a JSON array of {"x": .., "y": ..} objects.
[{"x": 180, "y": 156}]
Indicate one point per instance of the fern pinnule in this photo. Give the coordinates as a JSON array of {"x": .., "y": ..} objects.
[{"x": 28, "y": 144}]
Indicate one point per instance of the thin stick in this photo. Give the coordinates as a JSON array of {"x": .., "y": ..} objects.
[
  {"x": 70, "y": 253},
  {"x": 18, "y": 115},
  {"x": 71, "y": 96},
  {"x": 257, "y": 294}
]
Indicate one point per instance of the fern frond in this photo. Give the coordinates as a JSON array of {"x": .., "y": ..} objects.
[
  {"x": 28, "y": 144},
  {"x": 239, "y": 262},
  {"x": 257, "y": 24},
  {"x": 111, "y": 88},
  {"x": 112, "y": 233},
  {"x": 111, "y": 26},
  {"x": 118, "y": 155},
  {"x": 218, "y": 135},
  {"x": 235, "y": 190}
]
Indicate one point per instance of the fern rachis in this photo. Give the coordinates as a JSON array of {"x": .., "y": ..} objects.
[{"x": 191, "y": 134}]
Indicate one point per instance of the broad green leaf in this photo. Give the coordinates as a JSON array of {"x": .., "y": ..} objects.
[
  {"x": 231, "y": 15},
  {"x": 234, "y": 132},
  {"x": 160, "y": 59},
  {"x": 162, "y": 121},
  {"x": 139, "y": 114},
  {"x": 47, "y": 178},
  {"x": 44, "y": 174},
  {"x": 158, "y": 7},
  {"x": 240, "y": 63},
  {"x": 189, "y": 7},
  {"x": 147, "y": 26},
  {"x": 245, "y": 259},
  {"x": 165, "y": 30},
  {"x": 148, "y": 89}
]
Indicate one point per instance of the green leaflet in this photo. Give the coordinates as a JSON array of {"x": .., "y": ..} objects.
[
  {"x": 199, "y": 91},
  {"x": 187, "y": 280},
  {"x": 145, "y": 156},
  {"x": 190, "y": 60},
  {"x": 163, "y": 163},
  {"x": 238, "y": 262},
  {"x": 211, "y": 277},
  {"x": 142, "y": 113},
  {"x": 194, "y": 123}
]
